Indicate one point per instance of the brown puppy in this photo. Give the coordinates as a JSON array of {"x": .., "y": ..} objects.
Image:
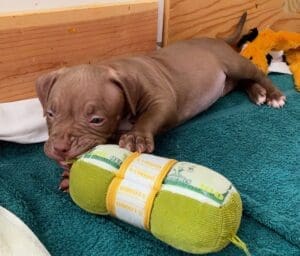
[{"x": 85, "y": 104}]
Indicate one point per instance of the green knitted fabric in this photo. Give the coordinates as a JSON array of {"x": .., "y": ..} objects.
[
  {"x": 193, "y": 227},
  {"x": 177, "y": 219},
  {"x": 92, "y": 183}
]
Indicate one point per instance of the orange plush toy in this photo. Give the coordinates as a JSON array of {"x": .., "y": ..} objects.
[{"x": 268, "y": 40}]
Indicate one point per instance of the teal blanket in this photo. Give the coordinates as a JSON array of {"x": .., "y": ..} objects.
[{"x": 257, "y": 148}]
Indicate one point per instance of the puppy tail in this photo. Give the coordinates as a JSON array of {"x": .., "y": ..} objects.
[{"x": 234, "y": 38}]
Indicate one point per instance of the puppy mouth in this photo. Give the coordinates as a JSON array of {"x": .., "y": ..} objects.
[
  {"x": 77, "y": 151},
  {"x": 65, "y": 165},
  {"x": 65, "y": 160}
]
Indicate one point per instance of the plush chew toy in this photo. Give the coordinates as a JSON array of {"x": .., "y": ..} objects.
[
  {"x": 268, "y": 40},
  {"x": 188, "y": 206}
]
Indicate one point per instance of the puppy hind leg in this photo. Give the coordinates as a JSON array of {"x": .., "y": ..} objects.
[
  {"x": 246, "y": 70},
  {"x": 229, "y": 86}
]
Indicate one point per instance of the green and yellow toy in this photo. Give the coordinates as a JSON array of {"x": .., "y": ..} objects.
[{"x": 188, "y": 206}]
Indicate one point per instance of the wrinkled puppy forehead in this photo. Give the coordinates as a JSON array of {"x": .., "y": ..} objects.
[
  {"x": 80, "y": 82},
  {"x": 83, "y": 76},
  {"x": 83, "y": 86}
]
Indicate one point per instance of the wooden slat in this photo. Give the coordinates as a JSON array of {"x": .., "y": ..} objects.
[
  {"x": 32, "y": 44},
  {"x": 186, "y": 19}
]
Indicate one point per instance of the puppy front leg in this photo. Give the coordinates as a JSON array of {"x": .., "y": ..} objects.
[{"x": 151, "y": 122}]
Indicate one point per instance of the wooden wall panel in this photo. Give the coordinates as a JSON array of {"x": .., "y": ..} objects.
[
  {"x": 186, "y": 19},
  {"x": 32, "y": 44}
]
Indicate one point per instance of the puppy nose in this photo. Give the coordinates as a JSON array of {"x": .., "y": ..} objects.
[{"x": 62, "y": 147}]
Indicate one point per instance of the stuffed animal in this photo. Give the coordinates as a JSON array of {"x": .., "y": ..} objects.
[
  {"x": 268, "y": 40},
  {"x": 188, "y": 206}
]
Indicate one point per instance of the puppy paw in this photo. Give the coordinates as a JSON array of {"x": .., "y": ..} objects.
[
  {"x": 260, "y": 95},
  {"x": 64, "y": 183},
  {"x": 260, "y": 99},
  {"x": 276, "y": 99},
  {"x": 137, "y": 141},
  {"x": 257, "y": 94}
]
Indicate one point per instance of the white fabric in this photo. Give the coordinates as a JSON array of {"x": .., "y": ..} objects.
[
  {"x": 277, "y": 64},
  {"x": 22, "y": 122},
  {"x": 16, "y": 239}
]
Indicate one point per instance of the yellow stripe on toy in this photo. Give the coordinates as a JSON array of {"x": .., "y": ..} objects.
[
  {"x": 111, "y": 193},
  {"x": 131, "y": 193},
  {"x": 156, "y": 188},
  {"x": 186, "y": 205}
]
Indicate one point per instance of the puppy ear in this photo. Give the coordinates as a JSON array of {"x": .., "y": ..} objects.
[
  {"x": 44, "y": 84},
  {"x": 128, "y": 84}
]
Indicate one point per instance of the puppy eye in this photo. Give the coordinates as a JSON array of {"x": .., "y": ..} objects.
[
  {"x": 50, "y": 114},
  {"x": 96, "y": 120}
]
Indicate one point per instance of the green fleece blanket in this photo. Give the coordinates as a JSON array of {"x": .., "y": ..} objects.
[{"x": 257, "y": 148}]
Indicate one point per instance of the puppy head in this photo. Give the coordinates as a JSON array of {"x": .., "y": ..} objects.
[{"x": 83, "y": 106}]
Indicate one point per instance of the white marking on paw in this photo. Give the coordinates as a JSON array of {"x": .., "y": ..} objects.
[
  {"x": 277, "y": 103},
  {"x": 261, "y": 99}
]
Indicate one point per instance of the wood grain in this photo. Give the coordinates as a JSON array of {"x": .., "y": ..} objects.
[
  {"x": 186, "y": 19},
  {"x": 32, "y": 46}
]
